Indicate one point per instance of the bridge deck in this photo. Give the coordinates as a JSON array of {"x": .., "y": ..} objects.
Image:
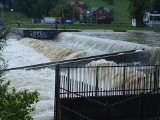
[{"x": 41, "y": 33}]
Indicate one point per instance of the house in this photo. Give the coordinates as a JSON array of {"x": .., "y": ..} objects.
[
  {"x": 102, "y": 15},
  {"x": 81, "y": 7},
  {"x": 152, "y": 19}
]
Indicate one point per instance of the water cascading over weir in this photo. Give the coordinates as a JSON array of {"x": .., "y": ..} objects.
[{"x": 71, "y": 45}]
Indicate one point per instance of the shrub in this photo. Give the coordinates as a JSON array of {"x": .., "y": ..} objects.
[{"x": 16, "y": 105}]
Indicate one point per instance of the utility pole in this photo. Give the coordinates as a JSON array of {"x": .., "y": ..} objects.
[
  {"x": 73, "y": 14},
  {"x": 62, "y": 12},
  {"x": 45, "y": 12},
  {"x": 62, "y": 17}
]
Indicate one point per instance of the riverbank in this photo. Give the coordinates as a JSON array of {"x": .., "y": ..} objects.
[{"x": 91, "y": 26}]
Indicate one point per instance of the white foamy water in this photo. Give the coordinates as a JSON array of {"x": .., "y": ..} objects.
[
  {"x": 74, "y": 45},
  {"x": 98, "y": 45},
  {"x": 41, "y": 80},
  {"x": 53, "y": 50}
]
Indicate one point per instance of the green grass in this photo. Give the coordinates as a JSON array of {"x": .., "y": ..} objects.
[
  {"x": 120, "y": 11},
  {"x": 92, "y": 26},
  {"x": 13, "y": 17}
]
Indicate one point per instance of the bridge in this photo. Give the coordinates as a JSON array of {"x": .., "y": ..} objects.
[{"x": 42, "y": 33}]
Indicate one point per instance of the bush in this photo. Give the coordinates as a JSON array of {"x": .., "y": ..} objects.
[
  {"x": 4, "y": 30},
  {"x": 16, "y": 105}
]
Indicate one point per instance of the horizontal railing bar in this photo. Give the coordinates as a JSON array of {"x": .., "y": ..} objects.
[
  {"x": 112, "y": 90},
  {"x": 87, "y": 98},
  {"x": 111, "y": 66},
  {"x": 63, "y": 62}
]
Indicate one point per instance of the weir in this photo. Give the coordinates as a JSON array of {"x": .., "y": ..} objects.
[{"x": 72, "y": 45}]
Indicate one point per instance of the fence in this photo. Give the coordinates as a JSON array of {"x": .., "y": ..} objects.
[{"x": 107, "y": 92}]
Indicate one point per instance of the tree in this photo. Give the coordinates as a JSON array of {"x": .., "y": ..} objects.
[
  {"x": 28, "y": 7},
  {"x": 56, "y": 11},
  {"x": 34, "y": 8},
  {"x": 137, "y": 8},
  {"x": 41, "y": 8},
  {"x": 156, "y": 5},
  {"x": 3, "y": 36},
  {"x": 13, "y": 105}
]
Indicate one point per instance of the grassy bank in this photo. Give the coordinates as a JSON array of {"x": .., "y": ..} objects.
[{"x": 92, "y": 26}]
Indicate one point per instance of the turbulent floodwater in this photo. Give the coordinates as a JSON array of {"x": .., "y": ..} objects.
[
  {"x": 28, "y": 51},
  {"x": 42, "y": 80},
  {"x": 149, "y": 38}
]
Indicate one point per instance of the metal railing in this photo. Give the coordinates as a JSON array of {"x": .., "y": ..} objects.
[
  {"x": 94, "y": 82},
  {"x": 108, "y": 80}
]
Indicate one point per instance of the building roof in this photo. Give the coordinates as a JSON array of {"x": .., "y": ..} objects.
[
  {"x": 79, "y": 9},
  {"x": 79, "y": 6},
  {"x": 95, "y": 8},
  {"x": 80, "y": 2}
]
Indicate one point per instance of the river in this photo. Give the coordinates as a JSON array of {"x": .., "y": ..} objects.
[{"x": 27, "y": 51}]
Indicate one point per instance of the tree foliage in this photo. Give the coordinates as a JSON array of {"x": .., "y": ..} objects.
[
  {"x": 110, "y": 2},
  {"x": 137, "y": 8},
  {"x": 3, "y": 35},
  {"x": 65, "y": 10},
  {"x": 34, "y": 8},
  {"x": 156, "y": 5},
  {"x": 56, "y": 11},
  {"x": 16, "y": 105}
]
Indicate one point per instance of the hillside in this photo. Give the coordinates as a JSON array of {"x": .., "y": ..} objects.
[{"x": 119, "y": 8}]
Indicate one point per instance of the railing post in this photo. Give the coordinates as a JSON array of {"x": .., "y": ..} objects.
[
  {"x": 124, "y": 73},
  {"x": 140, "y": 106},
  {"x": 155, "y": 79},
  {"x": 97, "y": 68},
  {"x": 57, "y": 107},
  {"x": 68, "y": 80}
]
